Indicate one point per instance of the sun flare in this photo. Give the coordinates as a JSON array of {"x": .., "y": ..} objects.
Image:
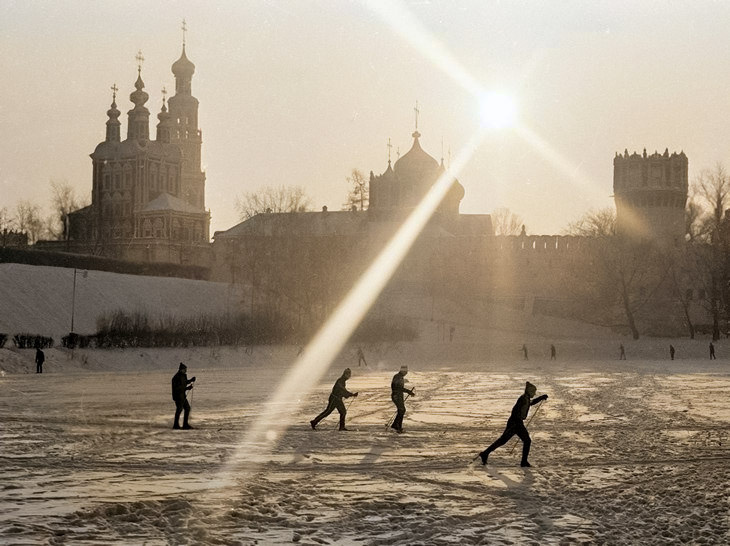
[{"x": 497, "y": 111}]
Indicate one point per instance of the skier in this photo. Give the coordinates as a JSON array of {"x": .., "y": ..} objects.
[
  {"x": 671, "y": 352},
  {"x": 180, "y": 385},
  {"x": 524, "y": 351},
  {"x": 552, "y": 352},
  {"x": 397, "y": 388},
  {"x": 622, "y": 352},
  {"x": 40, "y": 358},
  {"x": 339, "y": 391},
  {"x": 516, "y": 425},
  {"x": 712, "y": 351},
  {"x": 361, "y": 358}
]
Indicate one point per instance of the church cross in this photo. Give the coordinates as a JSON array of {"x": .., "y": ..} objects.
[
  {"x": 114, "y": 89},
  {"x": 164, "y": 93},
  {"x": 140, "y": 59},
  {"x": 184, "y": 29},
  {"x": 389, "y": 148},
  {"x": 417, "y": 111}
]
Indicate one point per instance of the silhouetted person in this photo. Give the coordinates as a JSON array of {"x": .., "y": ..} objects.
[
  {"x": 712, "y": 351},
  {"x": 40, "y": 358},
  {"x": 339, "y": 391},
  {"x": 180, "y": 385},
  {"x": 516, "y": 425},
  {"x": 524, "y": 351},
  {"x": 397, "y": 388},
  {"x": 552, "y": 352},
  {"x": 671, "y": 352},
  {"x": 622, "y": 354},
  {"x": 361, "y": 357},
  {"x": 451, "y": 333}
]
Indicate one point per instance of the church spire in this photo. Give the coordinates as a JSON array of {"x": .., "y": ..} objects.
[
  {"x": 183, "y": 69},
  {"x": 138, "y": 125},
  {"x": 164, "y": 130},
  {"x": 113, "y": 124}
]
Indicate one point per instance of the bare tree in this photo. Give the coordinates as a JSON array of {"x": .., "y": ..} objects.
[
  {"x": 594, "y": 223},
  {"x": 63, "y": 202},
  {"x": 273, "y": 199},
  {"x": 359, "y": 194},
  {"x": 506, "y": 222},
  {"x": 28, "y": 219}
]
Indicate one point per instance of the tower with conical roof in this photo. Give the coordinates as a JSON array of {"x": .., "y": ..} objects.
[{"x": 186, "y": 134}]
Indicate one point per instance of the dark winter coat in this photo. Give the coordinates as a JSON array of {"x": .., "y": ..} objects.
[
  {"x": 397, "y": 387},
  {"x": 521, "y": 407},
  {"x": 339, "y": 390},
  {"x": 40, "y": 358},
  {"x": 179, "y": 385}
]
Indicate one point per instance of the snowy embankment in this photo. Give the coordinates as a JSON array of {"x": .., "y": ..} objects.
[{"x": 39, "y": 300}]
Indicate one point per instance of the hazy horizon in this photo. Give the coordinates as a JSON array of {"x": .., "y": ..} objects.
[{"x": 300, "y": 93}]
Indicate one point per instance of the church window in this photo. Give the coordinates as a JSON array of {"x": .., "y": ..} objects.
[
  {"x": 147, "y": 228},
  {"x": 117, "y": 209},
  {"x": 117, "y": 181},
  {"x": 159, "y": 228},
  {"x": 105, "y": 184}
]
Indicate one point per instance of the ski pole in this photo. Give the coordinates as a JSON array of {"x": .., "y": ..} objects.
[{"x": 527, "y": 425}]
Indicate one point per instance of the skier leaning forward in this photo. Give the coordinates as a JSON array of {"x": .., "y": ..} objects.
[
  {"x": 339, "y": 391},
  {"x": 397, "y": 388},
  {"x": 516, "y": 425}
]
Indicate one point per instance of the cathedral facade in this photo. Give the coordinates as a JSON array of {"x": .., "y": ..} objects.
[{"x": 148, "y": 195}]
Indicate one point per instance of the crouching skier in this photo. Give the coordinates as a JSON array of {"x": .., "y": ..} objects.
[
  {"x": 180, "y": 385},
  {"x": 516, "y": 425},
  {"x": 339, "y": 391},
  {"x": 397, "y": 388}
]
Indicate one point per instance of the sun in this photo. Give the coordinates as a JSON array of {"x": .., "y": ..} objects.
[{"x": 497, "y": 110}]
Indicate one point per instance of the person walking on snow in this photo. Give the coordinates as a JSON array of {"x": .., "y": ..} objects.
[
  {"x": 361, "y": 357},
  {"x": 671, "y": 352},
  {"x": 397, "y": 388},
  {"x": 552, "y": 352},
  {"x": 180, "y": 385},
  {"x": 339, "y": 391},
  {"x": 524, "y": 352},
  {"x": 712, "y": 351},
  {"x": 40, "y": 358},
  {"x": 516, "y": 425}
]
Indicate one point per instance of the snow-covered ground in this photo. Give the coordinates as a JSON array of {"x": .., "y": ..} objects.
[{"x": 623, "y": 452}]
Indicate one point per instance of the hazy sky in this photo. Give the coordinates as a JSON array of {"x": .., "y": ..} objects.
[{"x": 300, "y": 92}]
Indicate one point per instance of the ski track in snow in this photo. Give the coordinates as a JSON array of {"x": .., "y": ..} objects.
[{"x": 620, "y": 457}]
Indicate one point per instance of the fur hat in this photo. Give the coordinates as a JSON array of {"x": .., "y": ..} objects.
[
  {"x": 530, "y": 386},
  {"x": 182, "y": 367},
  {"x": 347, "y": 371},
  {"x": 404, "y": 369}
]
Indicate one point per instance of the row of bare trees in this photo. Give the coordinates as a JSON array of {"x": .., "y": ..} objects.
[
  {"x": 640, "y": 277},
  {"x": 32, "y": 219}
]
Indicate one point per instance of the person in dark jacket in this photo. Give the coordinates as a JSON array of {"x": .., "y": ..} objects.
[
  {"x": 671, "y": 352},
  {"x": 40, "y": 358},
  {"x": 712, "y": 351},
  {"x": 339, "y": 391},
  {"x": 397, "y": 388},
  {"x": 180, "y": 385},
  {"x": 516, "y": 425}
]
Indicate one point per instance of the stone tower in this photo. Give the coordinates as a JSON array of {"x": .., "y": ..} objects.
[
  {"x": 184, "y": 114},
  {"x": 650, "y": 194}
]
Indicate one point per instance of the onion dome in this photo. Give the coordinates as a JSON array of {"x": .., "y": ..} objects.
[
  {"x": 183, "y": 66},
  {"x": 139, "y": 96},
  {"x": 416, "y": 162}
]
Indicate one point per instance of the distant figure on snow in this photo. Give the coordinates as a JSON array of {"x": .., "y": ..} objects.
[
  {"x": 397, "y": 388},
  {"x": 516, "y": 425},
  {"x": 339, "y": 391},
  {"x": 622, "y": 354},
  {"x": 361, "y": 357},
  {"x": 524, "y": 351},
  {"x": 712, "y": 351},
  {"x": 180, "y": 385},
  {"x": 40, "y": 358},
  {"x": 671, "y": 352},
  {"x": 552, "y": 352},
  {"x": 451, "y": 333}
]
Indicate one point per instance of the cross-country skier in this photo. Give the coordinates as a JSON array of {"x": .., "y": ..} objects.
[
  {"x": 180, "y": 385},
  {"x": 516, "y": 425},
  {"x": 397, "y": 388},
  {"x": 40, "y": 358},
  {"x": 339, "y": 391}
]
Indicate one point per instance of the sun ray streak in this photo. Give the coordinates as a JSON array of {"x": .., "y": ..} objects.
[
  {"x": 570, "y": 169},
  {"x": 403, "y": 23},
  {"x": 327, "y": 343}
]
